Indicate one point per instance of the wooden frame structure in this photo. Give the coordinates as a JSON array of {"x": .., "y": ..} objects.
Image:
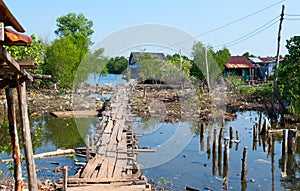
[{"x": 13, "y": 75}]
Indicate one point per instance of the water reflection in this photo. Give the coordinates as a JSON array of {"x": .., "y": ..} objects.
[{"x": 205, "y": 164}]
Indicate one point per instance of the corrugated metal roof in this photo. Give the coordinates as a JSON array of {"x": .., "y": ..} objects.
[
  {"x": 17, "y": 39},
  {"x": 239, "y": 62},
  {"x": 255, "y": 60},
  {"x": 270, "y": 59}
]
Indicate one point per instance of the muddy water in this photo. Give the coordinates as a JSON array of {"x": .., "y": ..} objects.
[{"x": 196, "y": 166}]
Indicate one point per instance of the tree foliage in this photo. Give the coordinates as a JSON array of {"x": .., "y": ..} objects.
[
  {"x": 186, "y": 64},
  {"x": 65, "y": 54},
  {"x": 222, "y": 57},
  {"x": 35, "y": 52},
  {"x": 117, "y": 65},
  {"x": 74, "y": 25},
  {"x": 289, "y": 75},
  {"x": 62, "y": 59},
  {"x": 200, "y": 54}
]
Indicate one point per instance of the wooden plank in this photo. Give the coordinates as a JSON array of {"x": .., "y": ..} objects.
[
  {"x": 103, "y": 180},
  {"x": 75, "y": 114},
  {"x": 103, "y": 170},
  {"x": 91, "y": 166},
  {"x": 109, "y": 127}
]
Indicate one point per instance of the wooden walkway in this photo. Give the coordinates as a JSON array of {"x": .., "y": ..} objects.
[{"x": 114, "y": 145}]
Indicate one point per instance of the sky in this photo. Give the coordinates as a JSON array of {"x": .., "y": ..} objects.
[{"x": 215, "y": 23}]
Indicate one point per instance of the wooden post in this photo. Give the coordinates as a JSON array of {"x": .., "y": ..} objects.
[
  {"x": 64, "y": 170},
  {"x": 208, "y": 149},
  {"x": 214, "y": 152},
  {"x": 284, "y": 140},
  {"x": 265, "y": 127},
  {"x": 231, "y": 137},
  {"x": 221, "y": 136},
  {"x": 202, "y": 131},
  {"x": 14, "y": 139},
  {"x": 255, "y": 132},
  {"x": 231, "y": 133},
  {"x": 260, "y": 122},
  {"x": 254, "y": 147},
  {"x": 225, "y": 164},
  {"x": 237, "y": 135},
  {"x": 244, "y": 165},
  {"x": 23, "y": 109},
  {"x": 292, "y": 133},
  {"x": 237, "y": 138},
  {"x": 87, "y": 142}
]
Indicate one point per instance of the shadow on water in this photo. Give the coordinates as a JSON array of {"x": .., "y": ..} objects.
[
  {"x": 48, "y": 134},
  {"x": 202, "y": 164}
]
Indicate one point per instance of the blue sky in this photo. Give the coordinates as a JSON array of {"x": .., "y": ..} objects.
[{"x": 194, "y": 17}]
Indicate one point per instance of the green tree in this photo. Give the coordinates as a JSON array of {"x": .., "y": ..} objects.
[
  {"x": 74, "y": 25},
  {"x": 35, "y": 52},
  {"x": 186, "y": 63},
  {"x": 289, "y": 75},
  {"x": 117, "y": 65},
  {"x": 62, "y": 59},
  {"x": 222, "y": 57},
  {"x": 201, "y": 54},
  {"x": 249, "y": 55}
]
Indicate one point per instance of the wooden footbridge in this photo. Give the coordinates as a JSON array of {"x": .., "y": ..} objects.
[{"x": 114, "y": 146}]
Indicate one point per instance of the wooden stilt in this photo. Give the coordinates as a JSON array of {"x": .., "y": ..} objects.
[
  {"x": 64, "y": 170},
  {"x": 208, "y": 149},
  {"x": 30, "y": 165},
  {"x": 14, "y": 139},
  {"x": 244, "y": 165},
  {"x": 87, "y": 142},
  {"x": 292, "y": 133},
  {"x": 214, "y": 152},
  {"x": 225, "y": 163}
]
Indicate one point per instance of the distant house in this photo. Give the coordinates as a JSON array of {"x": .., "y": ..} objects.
[
  {"x": 137, "y": 58},
  {"x": 264, "y": 66},
  {"x": 241, "y": 66}
]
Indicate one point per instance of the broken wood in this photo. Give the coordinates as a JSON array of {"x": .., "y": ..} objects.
[
  {"x": 56, "y": 153},
  {"x": 75, "y": 114}
]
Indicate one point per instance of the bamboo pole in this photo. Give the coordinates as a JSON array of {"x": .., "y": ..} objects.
[
  {"x": 14, "y": 139},
  {"x": 26, "y": 135}
]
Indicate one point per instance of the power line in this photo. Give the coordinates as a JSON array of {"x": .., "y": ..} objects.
[
  {"x": 251, "y": 34},
  {"x": 230, "y": 23}
]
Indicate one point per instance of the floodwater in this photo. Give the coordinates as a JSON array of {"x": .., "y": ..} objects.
[
  {"x": 182, "y": 159},
  {"x": 195, "y": 165}
]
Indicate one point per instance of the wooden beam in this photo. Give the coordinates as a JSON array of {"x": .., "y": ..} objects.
[
  {"x": 14, "y": 139},
  {"x": 28, "y": 64},
  {"x": 26, "y": 135},
  {"x": 6, "y": 57},
  {"x": 7, "y": 83}
]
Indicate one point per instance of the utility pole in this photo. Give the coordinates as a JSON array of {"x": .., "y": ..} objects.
[
  {"x": 275, "y": 92},
  {"x": 207, "y": 70}
]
